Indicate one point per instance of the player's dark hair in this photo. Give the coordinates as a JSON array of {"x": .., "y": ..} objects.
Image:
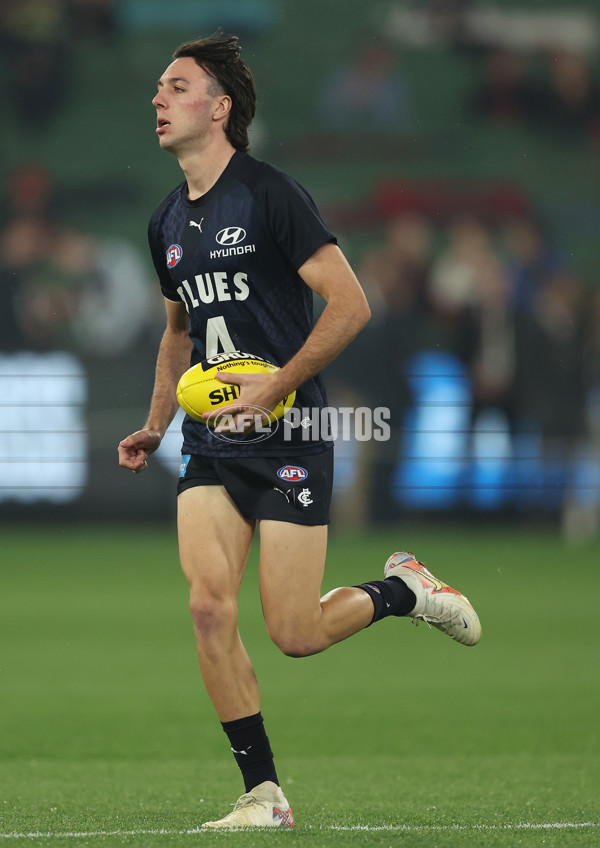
[{"x": 219, "y": 56}]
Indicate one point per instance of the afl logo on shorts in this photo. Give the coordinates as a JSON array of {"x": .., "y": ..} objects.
[
  {"x": 174, "y": 254},
  {"x": 292, "y": 473}
]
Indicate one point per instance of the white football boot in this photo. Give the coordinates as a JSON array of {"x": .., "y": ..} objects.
[
  {"x": 438, "y": 605},
  {"x": 263, "y": 806}
]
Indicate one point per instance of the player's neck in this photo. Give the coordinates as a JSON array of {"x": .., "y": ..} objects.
[{"x": 203, "y": 168}]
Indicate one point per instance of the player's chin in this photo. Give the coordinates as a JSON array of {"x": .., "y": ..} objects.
[{"x": 167, "y": 143}]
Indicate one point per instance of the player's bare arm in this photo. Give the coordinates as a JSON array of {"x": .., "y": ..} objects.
[
  {"x": 329, "y": 274},
  {"x": 172, "y": 360}
]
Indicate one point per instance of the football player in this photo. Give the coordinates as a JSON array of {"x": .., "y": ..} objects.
[{"x": 239, "y": 248}]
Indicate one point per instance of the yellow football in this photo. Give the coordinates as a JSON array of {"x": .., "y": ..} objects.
[{"x": 199, "y": 390}]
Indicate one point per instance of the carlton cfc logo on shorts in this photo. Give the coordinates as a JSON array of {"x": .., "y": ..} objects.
[
  {"x": 292, "y": 473},
  {"x": 174, "y": 254}
]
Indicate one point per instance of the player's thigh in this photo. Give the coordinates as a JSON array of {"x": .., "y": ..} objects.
[
  {"x": 214, "y": 539},
  {"x": 292, "y": 562}
]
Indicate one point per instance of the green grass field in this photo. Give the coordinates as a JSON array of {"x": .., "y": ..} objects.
[{"x": 396, "y": 737}]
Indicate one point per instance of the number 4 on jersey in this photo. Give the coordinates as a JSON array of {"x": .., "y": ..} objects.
[{"x": 217, "y": 334}]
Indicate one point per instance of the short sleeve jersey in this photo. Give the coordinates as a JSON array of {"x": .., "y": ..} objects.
[{"x": 232, "y": 258}]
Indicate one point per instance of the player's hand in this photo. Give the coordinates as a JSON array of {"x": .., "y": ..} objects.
[
  {"x": 258, "y": 397},
  {"x": 136, "y": 448}
]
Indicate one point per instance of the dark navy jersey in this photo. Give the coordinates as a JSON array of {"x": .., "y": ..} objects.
[{"x": 232, "y": 257}]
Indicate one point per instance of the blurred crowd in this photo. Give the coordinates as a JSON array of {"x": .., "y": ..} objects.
[
  {"x": 550, "y": 89},
  {"x": 64, "y": 288},
  {"x": 36, "y": 43},
  {"x": 563, "y": 98},
  {"x": 369, "y": 90},
  {"x": 505, "y": 304}
]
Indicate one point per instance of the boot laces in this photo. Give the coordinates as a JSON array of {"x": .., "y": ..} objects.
[
  {"x": 435, "y": 620},
  {"x": 248, "y": 800}
]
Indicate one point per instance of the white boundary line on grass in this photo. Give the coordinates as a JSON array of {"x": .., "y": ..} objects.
[
  {"x": 405, "y": 828},
  {"x": 436, "y": 827}
]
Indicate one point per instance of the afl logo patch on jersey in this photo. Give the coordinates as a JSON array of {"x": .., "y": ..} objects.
[
  {"x": 292, "y": 473},
  {"x": 230, "y": 236},
  {"x": 174, "y": 254}
]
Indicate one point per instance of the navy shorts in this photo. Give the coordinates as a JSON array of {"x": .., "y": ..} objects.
[{"x": 281, "y": 488}]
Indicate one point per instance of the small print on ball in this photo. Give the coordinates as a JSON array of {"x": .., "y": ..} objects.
[{"x": 199, "y": 390}]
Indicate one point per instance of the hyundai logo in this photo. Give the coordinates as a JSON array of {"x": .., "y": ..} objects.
[{"x": 231, "y": 235}]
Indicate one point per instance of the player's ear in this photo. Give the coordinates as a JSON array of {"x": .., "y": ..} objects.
[{"x": 222, "y": 107}]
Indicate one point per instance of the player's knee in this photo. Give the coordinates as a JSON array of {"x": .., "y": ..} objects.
[
  {"x": 210, "y": 613},
  {"x": 292, "y": 642}
]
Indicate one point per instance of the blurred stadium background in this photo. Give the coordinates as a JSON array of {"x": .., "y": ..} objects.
[{"x": 453, "y": 145}]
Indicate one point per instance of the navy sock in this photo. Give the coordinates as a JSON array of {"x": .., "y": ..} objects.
[
  {"x": 251, "y": 749},
  {"x": 390, "y": 597}
]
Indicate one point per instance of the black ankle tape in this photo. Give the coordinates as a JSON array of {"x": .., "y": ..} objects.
[{"x": 390, "y": 597}]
